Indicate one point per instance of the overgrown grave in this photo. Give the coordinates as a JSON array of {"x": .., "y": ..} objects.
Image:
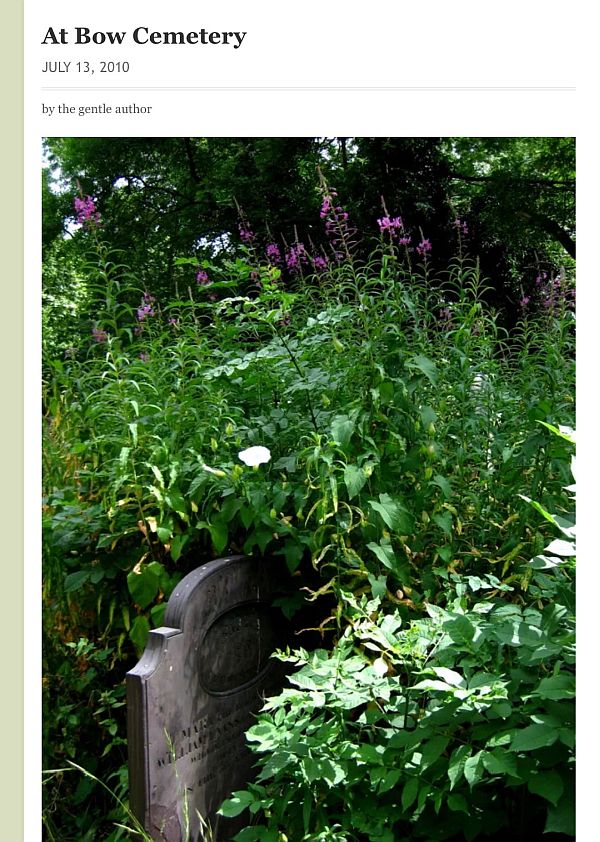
[{"x": 194, "y": 693}]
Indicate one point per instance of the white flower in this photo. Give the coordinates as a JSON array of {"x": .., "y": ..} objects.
[{"x": 254, "y": 456}]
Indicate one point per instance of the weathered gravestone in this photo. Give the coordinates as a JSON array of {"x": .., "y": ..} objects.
[{"x": 194, "y": 693}]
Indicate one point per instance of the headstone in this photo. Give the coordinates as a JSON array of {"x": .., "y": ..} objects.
[{"x": 193, "y": 694}]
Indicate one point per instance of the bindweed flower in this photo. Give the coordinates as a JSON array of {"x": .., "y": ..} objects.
[
  {"x": 85, "y": 210},
  {"x": 254, "y": 456},
  {"x": 99, "y": 335}
]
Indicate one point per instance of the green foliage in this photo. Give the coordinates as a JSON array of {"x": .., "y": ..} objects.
[
  {"x": 456, "y": 725},
  {"x": 408, "y": 433}
]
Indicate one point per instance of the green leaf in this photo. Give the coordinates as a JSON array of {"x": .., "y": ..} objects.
[
  {"x": 561, "y": 818},
  {"x": 219, "y": 534},
  {"x": 139, "y": 632},
  {"x": 425, "y": 365},
  {"x": 77, "y": 580},
  {"x": 287, "y": 463},
  {"x": 378, "y": 585},
  {"x": 157, "y": 612},
  {"x": 556, "y": 687},
  {"x": 409, "y": 793},
  {"x": 443, "y": 483},
  {"x": 460, "y": 629},
  {"x": 457, "y": 803},
  {"x": 293, "y": 553},
  {"x": 500, "y": 762},
  {"x": 444, "y": 521},
  {"x": 164, "y": 533},
  {"x": 177, "y": 545},
  {"x": 354, "y": 479},
  {"x": 384, "y": 552},
  {"x": 393, "y": 514},
  {"x": 566, "y": 433},
  {"x": 547, "y": 784},
  {"x": 235, "y": 805},
  {"x": 433, "y": 749},
  {"x": 449, "y": 676},
  {"x": 533, "y": 737},
  {"x": 342, "y": 428},
  {"x": 456, "y": 763},
  {"x": 143, "y": 584},
  {"x": 474, "y": 768},
  {"x": 390, "y": 780}
]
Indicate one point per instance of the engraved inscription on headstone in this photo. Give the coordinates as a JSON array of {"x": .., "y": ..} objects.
[{"x": 194, "y": 693}]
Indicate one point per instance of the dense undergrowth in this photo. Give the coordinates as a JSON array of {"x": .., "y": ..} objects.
[{"x": 407, "y": 436}]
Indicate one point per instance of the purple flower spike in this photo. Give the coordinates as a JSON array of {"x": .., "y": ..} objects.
[
  {"x": 99, "y": 335},
  {"x": 273, "y": 254},
  {"x": 424, "y": 247},
  {"x": 86, "y": 210},
  {"x": 246, "y": 235}
]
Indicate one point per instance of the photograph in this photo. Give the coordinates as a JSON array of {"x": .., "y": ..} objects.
[{"x": 308, "y": 489}]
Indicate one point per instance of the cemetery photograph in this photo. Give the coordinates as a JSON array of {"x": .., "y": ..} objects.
[{"x": 308, "y": 505}]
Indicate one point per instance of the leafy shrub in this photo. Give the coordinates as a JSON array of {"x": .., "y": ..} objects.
[{"x": 457, "y": 725}]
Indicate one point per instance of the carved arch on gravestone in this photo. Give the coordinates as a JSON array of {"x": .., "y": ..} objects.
[{"x": 194, "y": 693}]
